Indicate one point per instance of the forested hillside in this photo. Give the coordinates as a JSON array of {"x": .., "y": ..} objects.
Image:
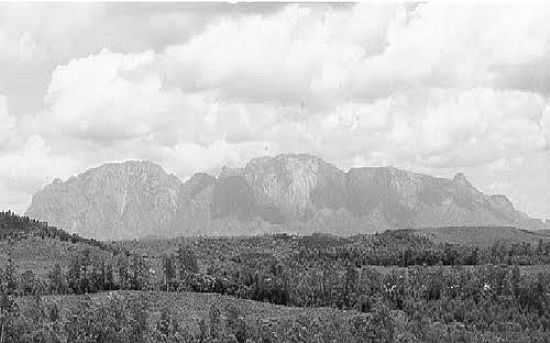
[
  {"x": 15, "y": 227},
  {"x": 397, "y": 286},
  {"x": 36, "y": 246}
]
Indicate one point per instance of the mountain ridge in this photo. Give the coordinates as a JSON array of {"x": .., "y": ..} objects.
[{"x": 297, "y": 193}]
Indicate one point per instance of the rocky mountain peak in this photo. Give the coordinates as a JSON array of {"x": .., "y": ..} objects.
[
  {"x": 114, "y": 200},
  {"x": 460, "y": 178},
  {"x": 288, "y": 192},
  {"x": 502, "y": 201},
  {"x": 288, "y": 161},
  {"x": 228, "y": 171}
]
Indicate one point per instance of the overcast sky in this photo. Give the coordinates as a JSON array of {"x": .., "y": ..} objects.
[{"x": 434, "y": 88}]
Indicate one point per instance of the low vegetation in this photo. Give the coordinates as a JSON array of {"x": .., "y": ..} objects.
[{"x": 397, "y": 286}]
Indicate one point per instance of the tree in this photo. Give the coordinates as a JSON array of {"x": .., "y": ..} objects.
[
  {"x": 169, "y": 272},
  {"x": 109, "y": 277},
  {"x": 28, "y": 282},
  {"x": 382, "y": 324},
  {"x": 57, "y": 281},
  {"x": 73, "y": 275},
  {"x": 84, "y": 323},
  {"x": 203, "y": 331},
  {"x": 8, "y": 313},
  {"x": 138, "y": 272},
  {"x": 187, "y": 261},
  {"x": 235, "y": 323},
  {"x": 123, "y": 272},
  {"x": 138, "y": 328},
  {"x": 97, "y": 277},
  {"x": 163, "y": 324},
  {"x": 349, "y": 295},
  {"x": 9, "y": 283},
  {"x": 214, "y": 315}
]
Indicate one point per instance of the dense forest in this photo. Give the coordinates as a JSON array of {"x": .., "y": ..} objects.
[{"x": 395, "y": 286}]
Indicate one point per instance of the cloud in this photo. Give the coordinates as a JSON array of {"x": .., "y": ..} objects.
[
  {"x": 29, "y": 167},
  {"x": 288, "y": 79},
  {"x": 321, "y": 57},
  {"x": 435, "y": 88},
  {"x": 7, "y": 123},
  {"x": 476, "y": 126},
  {"x": 107, "y": 96},
  {"x": 436, "y": 128},
  {"x": 300, "y": 54},
  {"x": 35, "y": 38},
  {"x": 445, "y": 45}
]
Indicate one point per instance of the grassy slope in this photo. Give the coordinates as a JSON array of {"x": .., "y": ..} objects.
[
  {"x": 189, "y": 308},
  {"x": 40, "y": 255}
]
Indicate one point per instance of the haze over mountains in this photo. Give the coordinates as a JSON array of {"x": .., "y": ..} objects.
[{"x": 290, "y": 193}]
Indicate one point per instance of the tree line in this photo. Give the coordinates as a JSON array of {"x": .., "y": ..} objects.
[{"x": 16, "y": 228}]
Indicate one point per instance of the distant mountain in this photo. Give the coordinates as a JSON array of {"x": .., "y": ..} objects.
[
  {"x": 116, "y": 200},
  {"x": 291, "y": 193}
]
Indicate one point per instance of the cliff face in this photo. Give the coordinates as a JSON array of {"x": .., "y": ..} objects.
[
  {"x": 114, "y": 201},
  {"x": 297, "y": 193},
  {"x": 294, "y": 187}
]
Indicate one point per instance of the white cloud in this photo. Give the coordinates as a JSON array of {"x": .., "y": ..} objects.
[
  {"x": 35, "y": 38},
  {"x": 249, "y": 80},
  {"x": 29, "y": 167},
  {"x": 108, "y": 96},
  {"x": 7, "y": 123},
  {"x": 436, "y": 88},
  {"x": 370, "y": 51},
  {"x": 461, "y": 46},
  {"x": 297, "y": 55}
]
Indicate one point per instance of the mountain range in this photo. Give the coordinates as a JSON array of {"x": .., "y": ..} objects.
[{"x": 287, "y": 193}]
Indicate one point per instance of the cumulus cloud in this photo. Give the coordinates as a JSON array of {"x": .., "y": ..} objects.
[
  {"x": 27, "y": 168},
  {"x": 106, "y": 97},
  {"x": 35, "y": 38},
  {"x": 298, "y": 55},
  {"x": 435, "y": 87}
]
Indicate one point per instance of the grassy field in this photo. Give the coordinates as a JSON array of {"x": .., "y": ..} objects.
[{"x": 189, "y": 308}]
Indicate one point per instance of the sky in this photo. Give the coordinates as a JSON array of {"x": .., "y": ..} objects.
[{"x": 436, "y": 88}]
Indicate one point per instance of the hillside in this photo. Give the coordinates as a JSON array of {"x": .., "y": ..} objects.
[
  {"x": 483, "y": 236},
  {"x": 35, "y": 246},
  {"x": 188, "y": 307},
  {"x": 40, "y": 255},
  {"x": 334, "y": 289},
  {"x": 190, "y": 317},
  {"x": 286, "y": 193}
]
